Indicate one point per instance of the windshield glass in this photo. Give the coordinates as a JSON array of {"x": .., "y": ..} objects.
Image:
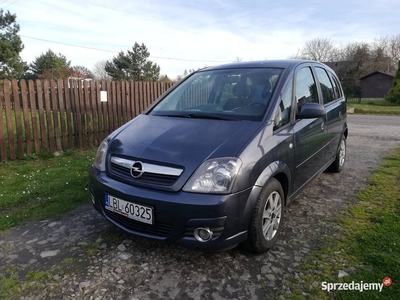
[{"x": 228, "y": 94}]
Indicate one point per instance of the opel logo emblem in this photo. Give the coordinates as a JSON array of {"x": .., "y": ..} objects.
[{"x": 137, "y": 169}]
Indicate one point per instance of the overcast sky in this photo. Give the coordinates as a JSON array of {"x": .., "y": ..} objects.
[{"x": 192, "y": 34}]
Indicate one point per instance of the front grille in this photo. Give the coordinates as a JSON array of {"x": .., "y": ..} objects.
[
  {"x": 158, "y": 229},
  {"x": 121, "y": 168},
  {"x": 125, "y": 173}
]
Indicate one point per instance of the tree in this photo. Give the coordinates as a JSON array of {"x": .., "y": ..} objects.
[
  {"x": 397, "y": 75},
  {"x": 394, "y": 93},
  {"x": 11, "y": 64},
  {"x": 81, "y": 72},
  {"x": 50, "y": 65},
  {"x": 164, "y": 78},
  {"x": 134, "y": 65},
  {"x": 99, "y": 71},
  {"x": 319, "y": 49}
]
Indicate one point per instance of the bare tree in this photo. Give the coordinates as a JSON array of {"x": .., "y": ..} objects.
[
  {"x": 319, "y": 49},
  {"x": 81, "y": 72},
  {"x": 237, "y": 59},
  {"x": 394, "y": 48},
  {"x": 99, "y": 71}
]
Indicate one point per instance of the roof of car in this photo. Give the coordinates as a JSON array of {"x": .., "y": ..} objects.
[{"x": 284, "y": 63}]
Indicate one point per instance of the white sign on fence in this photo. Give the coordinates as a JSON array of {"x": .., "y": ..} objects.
[{"x": 103, "y": 96}]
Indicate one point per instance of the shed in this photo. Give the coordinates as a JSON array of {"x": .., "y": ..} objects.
[{"x": 376, "y": 85}]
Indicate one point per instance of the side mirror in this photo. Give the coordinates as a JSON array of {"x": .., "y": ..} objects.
[{"x": 311, "y": 110}]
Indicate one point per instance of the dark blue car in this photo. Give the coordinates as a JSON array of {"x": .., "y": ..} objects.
[{"x": 214, "y": 160}]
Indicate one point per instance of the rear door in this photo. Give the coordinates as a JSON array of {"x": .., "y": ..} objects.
[
  {"x": 310, "y": 135},
  {"x": 335, "y": 107}
]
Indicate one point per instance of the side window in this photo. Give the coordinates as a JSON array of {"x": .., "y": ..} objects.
[
  {"x": 326, "y": 85},
  {"x": 306, "y": 90},
  {"x": 282, "y": 116},
  {"x": 336, "y": 86}
]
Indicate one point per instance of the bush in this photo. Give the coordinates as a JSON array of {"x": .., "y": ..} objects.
[{"x": 394, "y": 93}]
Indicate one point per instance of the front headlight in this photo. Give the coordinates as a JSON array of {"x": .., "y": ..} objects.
[
  {"x": 214, "y": 176},
  {"x": 100, "y": 158}
]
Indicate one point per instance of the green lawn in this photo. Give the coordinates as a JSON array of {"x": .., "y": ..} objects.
[
  {"x": 43, "y": 188},
  {"x": 368, "y": 240},
  {"x": 373, "y": 106}
]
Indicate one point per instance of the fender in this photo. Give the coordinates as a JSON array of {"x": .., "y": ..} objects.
[{"x": 274, "y": 168}]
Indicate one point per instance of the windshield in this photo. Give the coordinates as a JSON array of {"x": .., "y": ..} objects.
[{"x": 228, "y": 94}]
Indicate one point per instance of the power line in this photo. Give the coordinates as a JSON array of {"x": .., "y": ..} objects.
[
  {"x": 111, "y": 51},
  {"x": 11, "y": 4}
]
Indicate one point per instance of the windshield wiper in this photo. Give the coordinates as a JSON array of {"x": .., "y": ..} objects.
[{"x": 200, "y": 116}]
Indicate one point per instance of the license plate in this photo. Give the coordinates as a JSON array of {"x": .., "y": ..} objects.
[{"x": 130, "y": 210}]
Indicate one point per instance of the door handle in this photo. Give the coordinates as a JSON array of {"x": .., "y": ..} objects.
[{"x": 340, "y": 114}]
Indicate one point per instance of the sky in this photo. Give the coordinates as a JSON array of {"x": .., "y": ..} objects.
[{"x": 193, "y": 34}]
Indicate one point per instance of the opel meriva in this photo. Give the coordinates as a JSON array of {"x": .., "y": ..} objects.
[{"x": 214, "y": 160}]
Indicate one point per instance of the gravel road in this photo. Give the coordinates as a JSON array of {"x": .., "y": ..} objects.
[{"x": 90, "y": 259}]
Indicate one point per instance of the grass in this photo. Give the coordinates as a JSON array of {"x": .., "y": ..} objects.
[
  {"x": 368, "y": 239},
  {"x": 374, "y": 107},
  {"x": 37, "y": 189}
]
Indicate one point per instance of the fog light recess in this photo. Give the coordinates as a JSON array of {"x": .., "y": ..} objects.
[{"x": 203, "y": 234}]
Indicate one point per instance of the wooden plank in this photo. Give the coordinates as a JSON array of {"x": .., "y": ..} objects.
[
  {"x": 94, "y": 111},
  {"x": 83, "y": 114},
  {"x": 104, "y": 109},
  {"x": 128, "y": 101},
  {"x": 123, "y": 102},
  {"x": 49, "y": 118},
  {"x": 78, "y": 113},
  {"x": 17, "y": 108},
  {"x": 69, "y": 116},
  {"x": 55, "y": 113},
  {"x": 137, "y": 98},
  {"x": 27, "y": 117},
  {"x": 140, "y": 98},
  {"x": 88, "y": 113},
  {"x": 110, "y": 120},
  {"x": 132, "y": 99},
  {"x": 42, "y": 118},
  {"x": 118, "y": 103},
  {"x": 150, "y": 93},
  {"x": 3, "y": 149},
  {"x": 61, "y": 104},
  {"x": 100, "y": 111},
  {"x": 146, "y": 95},
  {"x": 159, "y": 89},
  {"x": 34, "y": 115},
  {"x": 10, "y": 128},
  {"x": 114, "y": 105}
]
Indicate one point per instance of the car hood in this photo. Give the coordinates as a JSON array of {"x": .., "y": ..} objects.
[{"x": 180, "y": 141}]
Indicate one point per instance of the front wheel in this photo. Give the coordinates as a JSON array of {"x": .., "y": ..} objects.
[
  {"x": 338, "y": 164},
  {"x": 266, "y": 222}
]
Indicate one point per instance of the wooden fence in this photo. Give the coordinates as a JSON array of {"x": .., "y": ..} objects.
[{"x": 59, "y": 115}]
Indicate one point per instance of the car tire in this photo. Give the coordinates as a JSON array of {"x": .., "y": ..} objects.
[
  {"x": 267, "y": 219},
  {"x": 340, "y": 160}
]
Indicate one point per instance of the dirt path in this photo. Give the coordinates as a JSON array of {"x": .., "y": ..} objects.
[{"x": 90, "y": 259}]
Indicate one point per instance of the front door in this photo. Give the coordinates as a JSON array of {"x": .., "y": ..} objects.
[{"x": 310, "y": 135}]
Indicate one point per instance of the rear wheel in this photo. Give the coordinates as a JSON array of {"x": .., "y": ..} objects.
[
  {"x": 266, "y": 222},
  {"x": 338, "y": 164}
]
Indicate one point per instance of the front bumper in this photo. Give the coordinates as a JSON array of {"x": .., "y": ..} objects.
[{"x": 178, "y": 214}]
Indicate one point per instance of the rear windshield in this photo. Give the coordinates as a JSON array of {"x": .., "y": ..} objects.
[{"x": 230, "y": 94}]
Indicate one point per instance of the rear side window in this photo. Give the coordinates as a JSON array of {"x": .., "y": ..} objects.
[
  {"x": 326, "y": 85},
  {"x": 336, "y": 86},
  {"x": 306, "y": 90}
]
